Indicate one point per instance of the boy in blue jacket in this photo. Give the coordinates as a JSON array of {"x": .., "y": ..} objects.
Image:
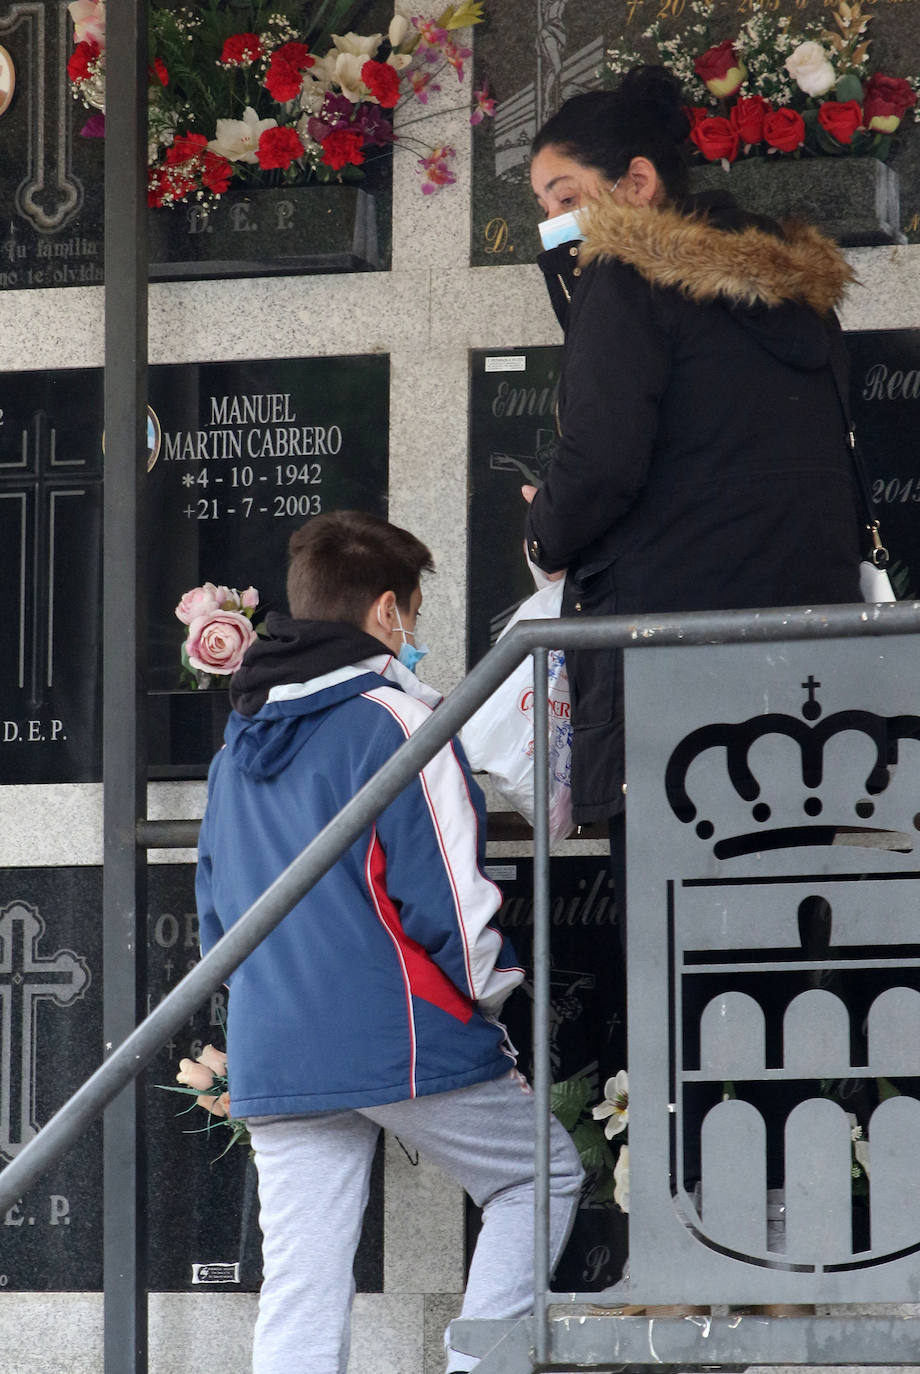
[{"x": 375, "y": 1003}]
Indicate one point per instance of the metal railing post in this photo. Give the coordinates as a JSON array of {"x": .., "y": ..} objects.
[
  {"x": 541, "y": 957},
  {"x": 124, "y": 768}
]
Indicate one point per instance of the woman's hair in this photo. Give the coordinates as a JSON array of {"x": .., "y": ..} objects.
[
  {"x": 340, "y": 562},
  {"x": 643, "y": 117}
]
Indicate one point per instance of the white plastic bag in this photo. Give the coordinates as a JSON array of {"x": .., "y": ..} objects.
[{"x": 498, "y": 739}]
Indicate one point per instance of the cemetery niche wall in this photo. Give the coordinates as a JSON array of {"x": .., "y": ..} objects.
[
  {"x": 202, "y": 1212},
  {"x": 240, "y": 455},
  {"x": 535, "y": 54}
]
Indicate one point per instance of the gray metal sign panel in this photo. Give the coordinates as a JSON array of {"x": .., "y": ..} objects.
[{"x": 774, "y": 972}]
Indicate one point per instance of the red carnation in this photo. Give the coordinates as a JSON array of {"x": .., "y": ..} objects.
[
  {"x": 784, "y": 129},
  {"x": 82, "y": 58},
  {"x": 241, "y": 49},
  {"x": 279, "y": 147},
  {"x": 840, "y": 119},
  {"x": 885, "y": 102},
  {"x": 341, "y": 146},
  {"x": 217, "y": 173},
  {"x": 716, "y": 139},
  {"x": 382, "y": 81},
  {"x": 185, "y": 147},
  {"x": 284, "y": 77},
  {"x": 747, "y": 116}
]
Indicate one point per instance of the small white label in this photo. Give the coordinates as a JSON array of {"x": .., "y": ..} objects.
[
  {"x": 517, "y": 363},
  {"x": 501, "y": 873},
  {"x": 215, "y": 1273}
]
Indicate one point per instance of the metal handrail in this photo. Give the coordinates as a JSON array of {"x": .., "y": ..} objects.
[{"x": 528, "y": 637}]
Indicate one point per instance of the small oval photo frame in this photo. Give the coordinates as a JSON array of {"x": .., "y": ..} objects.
[{"x": 7, "y": 81}]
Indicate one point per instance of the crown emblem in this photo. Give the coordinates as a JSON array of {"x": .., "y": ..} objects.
[{"x": 791, "y": 818}]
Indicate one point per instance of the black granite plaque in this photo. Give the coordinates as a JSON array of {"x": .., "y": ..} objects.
[
  {"x": 246, "y": 453},
  {"x": 50, "y": 176},
  {"x": 51, "y": 566},
  {"x": 587, "y": 1023},
  {"x": 202, "y": 1212},
  {"x": 241, "y": 454},
  {"x": 50, "y": 1041},
  {"x": 536, "y": 55},
  {"x": 885, "y": 402},
  {"x": 512, "y": 441}
]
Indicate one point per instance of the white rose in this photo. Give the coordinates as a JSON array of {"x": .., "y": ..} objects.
[{"x": 810, "y": 68}]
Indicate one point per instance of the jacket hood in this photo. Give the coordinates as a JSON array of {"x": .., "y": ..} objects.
[
  {"x": 296, "y": 651},
  {"x": 710, "y": 251}
]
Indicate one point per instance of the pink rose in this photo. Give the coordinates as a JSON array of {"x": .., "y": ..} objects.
[
  {"x": 217, "y": 642},
  {"x": 215, "y": 1060},
  {"x": 249, "y": 599},
  {"x": 200, "y": 601},
  {"x": 194, "y": 1074}
]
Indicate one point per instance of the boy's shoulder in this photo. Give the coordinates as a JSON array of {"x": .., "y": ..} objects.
[{"x": 408, "y": 712}]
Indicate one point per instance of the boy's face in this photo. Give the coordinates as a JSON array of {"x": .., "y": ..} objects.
[{"x": 384, "y": 617}]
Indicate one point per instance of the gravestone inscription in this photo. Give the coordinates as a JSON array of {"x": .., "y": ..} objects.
[
  {"x": 201, "y": 1211},
  {"x": 240, "y": 455},
  {"x": 885, "y": 403},
  {"x": 534, "y": 54}
]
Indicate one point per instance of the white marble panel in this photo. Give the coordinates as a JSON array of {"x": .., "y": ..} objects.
[{"x": 886, "y": 294}]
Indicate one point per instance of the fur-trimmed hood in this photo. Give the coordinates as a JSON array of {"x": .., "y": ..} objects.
[{"x": 743, "y": 264}]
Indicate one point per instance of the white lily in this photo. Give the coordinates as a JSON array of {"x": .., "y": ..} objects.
[
  {"x": 357, "y": 44},
  {"x": 346, "y": 73},
  {"x": 399, "y": 27},
  {"x": 615, "y": 1105},
  {"x": 238, "y": 139}
]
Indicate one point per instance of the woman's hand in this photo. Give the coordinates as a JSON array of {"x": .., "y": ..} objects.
[{"x": 529, "y": 493}]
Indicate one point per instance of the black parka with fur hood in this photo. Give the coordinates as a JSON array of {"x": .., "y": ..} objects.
[{"x": 702, "y": 460}]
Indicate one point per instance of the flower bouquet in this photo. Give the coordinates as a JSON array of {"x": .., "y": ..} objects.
[
  {"x": 219, "y": 631},
  {"x": 266, "y": 94},
  {"x": 777, "y": 90},
  {"x": 205, "y": 1079},
  {"x": 606, "y": 1164}
]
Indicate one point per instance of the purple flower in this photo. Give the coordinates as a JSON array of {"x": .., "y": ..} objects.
[{"x": 94, "y": 126}]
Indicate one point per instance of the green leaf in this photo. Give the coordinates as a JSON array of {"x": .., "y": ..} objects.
[
  {"x": 886, "y": 1089},
  {"x": 591, "y": 1144},
  {"x": 569, "y": 1099},
  {"x": 603, "y": 1192},
  {"x": 849, "y": 87},
  {"x": 827, "y": 143},
  {"x": 880, "y": 146}
]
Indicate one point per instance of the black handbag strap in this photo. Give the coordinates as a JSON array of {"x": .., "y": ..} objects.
[{"x": 877, "y": 554}]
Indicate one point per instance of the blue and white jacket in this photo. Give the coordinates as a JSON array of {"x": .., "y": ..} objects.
[{"x": 384, "y": 982}]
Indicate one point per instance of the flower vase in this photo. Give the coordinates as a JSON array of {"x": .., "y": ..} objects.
[
  {"x": 854, "y": 200},
  {"x": 255, "y": 232}
]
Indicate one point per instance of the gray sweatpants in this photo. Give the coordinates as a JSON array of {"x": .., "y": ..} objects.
[{"x": 314, "y": 1176}]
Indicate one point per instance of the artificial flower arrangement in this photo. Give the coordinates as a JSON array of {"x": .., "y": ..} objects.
[
  {"x": 606, "y": 1163},
  {"x": 778, "y": 89},
  {"x": 261, "y": 93},
  {"x": 219, "y": 631},
  {"x": 205, "y": 1079}
]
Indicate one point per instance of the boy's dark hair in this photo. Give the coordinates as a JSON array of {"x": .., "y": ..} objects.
[{"x": 340, "y": 562}]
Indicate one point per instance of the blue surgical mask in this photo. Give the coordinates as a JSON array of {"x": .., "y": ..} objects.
[
  {"x": 409, "y": 654},
  {"x": 560, "y": 229}
]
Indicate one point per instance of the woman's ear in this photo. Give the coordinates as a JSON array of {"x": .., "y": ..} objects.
[{"x": 643, "y": 184}]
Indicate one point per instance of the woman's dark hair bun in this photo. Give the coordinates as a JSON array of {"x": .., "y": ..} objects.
[{"x": 652, "y": 94}]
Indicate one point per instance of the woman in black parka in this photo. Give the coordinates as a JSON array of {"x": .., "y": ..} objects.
[{"x": 702, "y": 460}]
